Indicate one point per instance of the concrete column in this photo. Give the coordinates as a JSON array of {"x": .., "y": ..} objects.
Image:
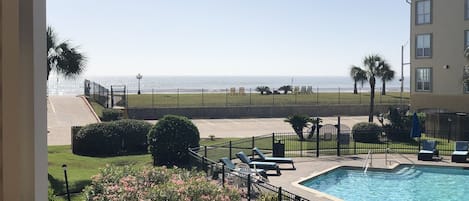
[{"x": 23, "y": 133}]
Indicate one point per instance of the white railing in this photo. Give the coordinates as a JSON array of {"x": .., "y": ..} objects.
[{"x": 366, "y": 164}]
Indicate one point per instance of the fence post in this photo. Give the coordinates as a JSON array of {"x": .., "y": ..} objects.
[
  {"x": 152, "y": 98},
  {"x": 112, "y": 97},
  {"x": 339, "y": 96},
  {"x": 203, "y": 97},
  {"x": 226, "y": 97},
  {"x": 249, "y": 187},
  {"x": 273, "y": 142},
  {"x": 250, "y": 96},
  {"x": 360, "y": 94},
  {"x": 296, "y": 94},
  {"x": 301, "y": 148},
  {"x": 354, "y": 147},
  {"x": 317, "y": 137},
  {"x": 205, "y": 151},
  {"x": 177, "y": 98},
  {"x": 252, "y": 146},
  {"x": 317, "y": 95},
  {"x": 279, "y": 195},
  {"x": 273, "y": 98},
  {"x": 231, "y": 154},
  {"x": 338, "y": 136},
  {"x": 223, "y": 175}
]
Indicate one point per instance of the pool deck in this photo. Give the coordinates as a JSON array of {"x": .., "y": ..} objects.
[{"x": 312, "y": 166}]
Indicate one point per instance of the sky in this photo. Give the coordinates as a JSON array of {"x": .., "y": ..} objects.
[{"x": 232, "y": 37}]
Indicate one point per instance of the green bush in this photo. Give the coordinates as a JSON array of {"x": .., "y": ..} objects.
[
  {"x": 134, "y": 135},
  {"x": 156, "y": 183},
  {"x": 111, "y": 115},
  {"x": 112, "y": 138},
  {"x": 51, "y": 195},
  {"x": 400, "y": 125},
  {"x": 170, "y": 138},
  {"x": 366, "y": 132}
]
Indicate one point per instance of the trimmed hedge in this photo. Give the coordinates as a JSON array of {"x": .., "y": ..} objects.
[
  {"x": 121, "y": 137},
  {"x": 111, "y": 115},
  {"x": 366, "y": 132},
  {"x": 170, "y": 139}
]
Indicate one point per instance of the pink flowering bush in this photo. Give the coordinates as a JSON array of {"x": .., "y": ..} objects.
[{"x": 155, "y": 183}]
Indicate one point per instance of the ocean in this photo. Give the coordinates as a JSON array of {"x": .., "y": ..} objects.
[{"x": 195, "y": 84}]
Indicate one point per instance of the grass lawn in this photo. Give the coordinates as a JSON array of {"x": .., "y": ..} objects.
[
  {"x": 81, "y": 168},
  {"x": 222, "y": 99},
  {"x": 98, "y": 109}
]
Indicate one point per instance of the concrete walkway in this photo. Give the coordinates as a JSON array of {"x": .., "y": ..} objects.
[
  {"x": 66, "y": 111},
  {"x": 241, "y": 128},
  {"x": 63, "y": 112}
]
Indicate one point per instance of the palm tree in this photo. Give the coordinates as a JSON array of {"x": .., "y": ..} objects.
[
  {"x": 386, "y": 74},
  {"x": 373, "y": 65},
  {"x": 63, "y": 58},
  {"x": 286, "y": 88},
  {"x": 358, "y": 75},
  {"x": 262, "y": 89},
  {"x": 298, "y": 123}
]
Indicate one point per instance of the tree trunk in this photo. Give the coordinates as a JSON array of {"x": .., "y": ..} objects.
[
  {"x": 372, "y": 99},
  {"x": 355, "y": 91},
  {"x": 299, "y": 132},
  {"x": 384, "y": 88}
]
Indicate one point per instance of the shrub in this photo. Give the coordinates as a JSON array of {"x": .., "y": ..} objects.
[
  {"x": 51, "y": 195},
  {"x": 170, "y": 138},
  {"x": 134, "y": 135},
  {"x": 112, "y": 138},
  {"x": 366, "y": 132},
  {"x": 157, "y": 183},
  {"x": 400, "y": 125},
  {"x": 111, "y": 115}
]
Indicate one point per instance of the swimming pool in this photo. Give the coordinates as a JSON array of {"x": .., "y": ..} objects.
[{"x": 410, "y": 183}]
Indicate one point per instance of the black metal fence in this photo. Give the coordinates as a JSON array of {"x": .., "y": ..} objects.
[
  {"x": 252, "y": 188},
  {"x": 97, "y": 93},
  {"x": 154, "y": 98},
  {"x": 328, "y": 142}
]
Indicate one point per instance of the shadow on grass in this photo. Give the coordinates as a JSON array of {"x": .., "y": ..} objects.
[{"x": 58, "y": 185}]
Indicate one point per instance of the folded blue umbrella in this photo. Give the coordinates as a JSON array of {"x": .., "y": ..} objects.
[{"x": 415, "y": 132}]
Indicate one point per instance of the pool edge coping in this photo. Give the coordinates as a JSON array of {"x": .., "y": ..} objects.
[{"x": 328, "y": 196}]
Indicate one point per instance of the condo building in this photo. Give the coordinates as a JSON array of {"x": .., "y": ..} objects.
[{"x": 439, "y": 56}]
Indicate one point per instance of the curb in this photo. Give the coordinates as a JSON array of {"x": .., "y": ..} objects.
[{"x": 91, "y": 109}]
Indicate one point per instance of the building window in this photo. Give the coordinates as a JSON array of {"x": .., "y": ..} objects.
[
  {"x": 424, "y": 45},
  {"x": 423, "y": 14},
  {"x": 466, "y": 10},
  {"x": 466, "y": 39},
  {"x": 423, "y": 78}
]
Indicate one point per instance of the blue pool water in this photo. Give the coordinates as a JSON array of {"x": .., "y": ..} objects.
[{"x": 404, "y": 183}]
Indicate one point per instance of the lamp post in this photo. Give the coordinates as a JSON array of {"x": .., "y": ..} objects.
[
  {"x": 402, "y": 71},
  {"x": 139, "y": 77},
  {"x": 449, "y": 127},
  {"x": 64, "y": 167}
]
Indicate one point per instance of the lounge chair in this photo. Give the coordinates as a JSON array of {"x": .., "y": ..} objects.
[
  {"x": 228, "y": 164},
  {"x": 273, "y": 159},
  {"x": 428, "y": 150},
  {"x": 460, "y": 151},
  {"x": 264, "y": 165}
]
